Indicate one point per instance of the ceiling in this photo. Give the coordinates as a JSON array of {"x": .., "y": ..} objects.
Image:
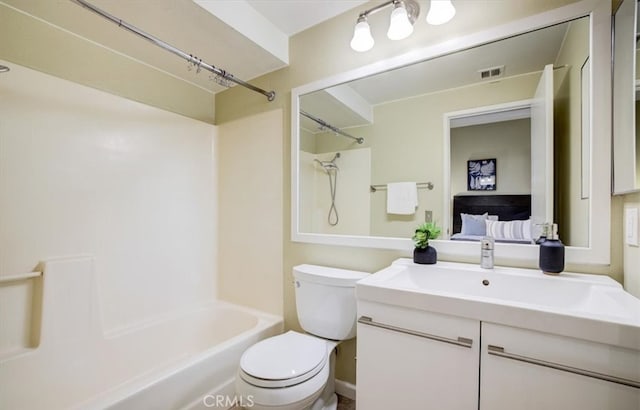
[{"x": 294, "y": 16}]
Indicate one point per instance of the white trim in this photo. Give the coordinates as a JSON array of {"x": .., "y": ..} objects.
[
  {"x": 598, "y": 253},
  {"x": 469, "y": 116},
  {"x": 345, "y": 389},
  {"x": 491, "y": 118}
]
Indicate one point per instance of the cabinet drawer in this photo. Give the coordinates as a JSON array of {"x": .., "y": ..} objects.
[
  {"x": 530, "y": 370},
  {"x": 581, "y": 354},
  {"x": 444, "y": 326},
  {"x": 414, "y": 361}
]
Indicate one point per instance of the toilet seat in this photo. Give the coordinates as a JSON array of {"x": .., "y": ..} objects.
[{"x": 284, "y": 360}]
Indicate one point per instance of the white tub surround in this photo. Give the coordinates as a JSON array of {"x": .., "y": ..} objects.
[{"x": 171, "y": 361}]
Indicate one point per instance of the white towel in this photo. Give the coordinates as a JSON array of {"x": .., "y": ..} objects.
[{"x": 402, "y": 198}]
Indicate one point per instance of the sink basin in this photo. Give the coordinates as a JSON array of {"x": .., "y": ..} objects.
[
  {"x": 505, "y": 295},
  {"x": 509, "y": 285}
]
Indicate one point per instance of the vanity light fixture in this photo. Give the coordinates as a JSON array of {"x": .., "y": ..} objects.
[
  {"x": 403, "y": 16},
  {"x": 400, "y": 25},
  {"x": 440, "y": 12},
  {"x": 362, "y": 40}
]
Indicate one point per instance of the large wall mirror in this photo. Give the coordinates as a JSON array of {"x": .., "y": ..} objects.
[
  {"x": 500, "y": 124},
  {"x": 626, "y": 93}
]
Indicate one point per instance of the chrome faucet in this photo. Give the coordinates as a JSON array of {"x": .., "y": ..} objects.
[{"x": 486, "y": 252}]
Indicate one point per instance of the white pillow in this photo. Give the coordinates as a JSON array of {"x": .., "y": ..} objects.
[{"x": 510, "y": 230}]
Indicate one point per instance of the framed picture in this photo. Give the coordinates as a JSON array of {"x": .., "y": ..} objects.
[{"x": 481, "y": 175}]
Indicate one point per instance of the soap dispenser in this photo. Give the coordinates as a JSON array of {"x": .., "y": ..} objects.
[
  {"x": 486, "y": 252},
  {"x": 543, "y": 234},
  {"x": 551, "y": 260}
]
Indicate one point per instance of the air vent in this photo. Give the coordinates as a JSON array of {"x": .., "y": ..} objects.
[{"x": 491, "y": 73}]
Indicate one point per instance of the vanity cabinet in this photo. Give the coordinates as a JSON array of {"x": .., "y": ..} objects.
[
  {"x": 523, "y": 369},
  {"x": 408, "y": 358},
  {"x": 414, "y": 359}
]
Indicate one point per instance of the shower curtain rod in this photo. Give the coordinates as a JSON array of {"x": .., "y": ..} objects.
[
  {"x": 271, "y": 95},
  {"x": 325, "y": 124}
]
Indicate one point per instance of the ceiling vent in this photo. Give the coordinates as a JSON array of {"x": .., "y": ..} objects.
[{"x": 491, "y": 73}]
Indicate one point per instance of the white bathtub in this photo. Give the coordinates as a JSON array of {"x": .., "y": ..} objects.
[{"x": 187, "y": 360}]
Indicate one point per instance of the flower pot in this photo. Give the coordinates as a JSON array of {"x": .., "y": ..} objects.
[{"x": 425, "y": 256}]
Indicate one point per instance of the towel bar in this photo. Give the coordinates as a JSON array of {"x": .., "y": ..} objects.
[{"x": 383, "y": 187}]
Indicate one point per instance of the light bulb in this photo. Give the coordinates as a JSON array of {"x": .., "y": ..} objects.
[
  {"x": 399, "y": 26},
  {"x": 362, "y": 40},
  {"x": 440, "y": 12}
]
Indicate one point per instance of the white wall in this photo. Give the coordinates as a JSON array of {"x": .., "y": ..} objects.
[{"x": 85, "y": 172}]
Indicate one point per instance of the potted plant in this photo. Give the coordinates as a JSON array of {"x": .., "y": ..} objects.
[{"x": 423, "y": 253}]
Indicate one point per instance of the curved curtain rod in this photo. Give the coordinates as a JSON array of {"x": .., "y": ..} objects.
[
  {"x": 325, "y": 124},
  {"x": 271, "y": 95}
]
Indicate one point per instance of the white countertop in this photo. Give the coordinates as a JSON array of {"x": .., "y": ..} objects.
[{"x": 590, "y": 307}]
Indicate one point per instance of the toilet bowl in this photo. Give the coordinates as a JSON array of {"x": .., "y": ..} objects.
[
  {"x": 289, "y": 371},
  {"x": 295, "y": 371}
]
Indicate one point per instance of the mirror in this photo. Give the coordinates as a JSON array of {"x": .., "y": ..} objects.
[
  {"x": 626, "y": 91},
  {"x": 415, "y": 117}
]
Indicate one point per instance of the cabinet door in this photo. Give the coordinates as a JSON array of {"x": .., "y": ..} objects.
[
  {"x": 528, "y": 370},
  {"x": 399, "y": 370}
]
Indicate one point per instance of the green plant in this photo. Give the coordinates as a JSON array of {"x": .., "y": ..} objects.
[{"x": 424, "y": 232}]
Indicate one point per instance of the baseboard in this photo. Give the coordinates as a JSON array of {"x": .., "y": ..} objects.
[{"x": 346, "y": 389}]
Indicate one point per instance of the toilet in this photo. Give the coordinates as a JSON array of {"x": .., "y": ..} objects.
[{"x": 295, "y": 371}]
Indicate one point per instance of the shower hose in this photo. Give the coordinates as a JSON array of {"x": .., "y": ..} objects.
[{"x": 333, "y": 218}]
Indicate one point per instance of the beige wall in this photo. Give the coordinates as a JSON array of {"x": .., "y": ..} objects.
[
  {"x": 34, "y": 43},
  {"x": 310, "y": 62},
  {"x": 571, "y": 210},
  {"x": 631, "y": 253},
  {"x": 250, "y": 202}
]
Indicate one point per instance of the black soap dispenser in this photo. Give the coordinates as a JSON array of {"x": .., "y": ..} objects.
[{"x": 551, "y": 260}]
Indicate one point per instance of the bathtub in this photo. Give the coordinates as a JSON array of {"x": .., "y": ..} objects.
[{"x": 186, "y": 360}]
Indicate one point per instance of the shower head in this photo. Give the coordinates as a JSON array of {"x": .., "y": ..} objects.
[{"x": 328, "y": 165}]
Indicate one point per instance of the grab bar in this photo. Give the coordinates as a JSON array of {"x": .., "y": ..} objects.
[
  {"x": 20, "y": 276},
  {"x": 460, "y": 341},
  {"x": 499, "y": 351}
]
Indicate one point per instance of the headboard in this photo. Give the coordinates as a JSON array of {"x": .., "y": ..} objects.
[{"x": 507, "y": 207}]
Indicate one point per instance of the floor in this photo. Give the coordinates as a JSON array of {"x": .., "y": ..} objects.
[{"x": 346, "y": 404}]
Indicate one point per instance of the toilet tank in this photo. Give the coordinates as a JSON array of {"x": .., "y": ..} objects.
[{"x": 326, "y": 300}]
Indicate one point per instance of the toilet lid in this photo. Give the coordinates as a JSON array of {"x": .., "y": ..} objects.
[{"x": 288, "y": 356}]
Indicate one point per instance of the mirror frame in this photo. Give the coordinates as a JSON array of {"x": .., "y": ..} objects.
[
  {"x": 624, "y": 91},
  {"x": 598, "y": 252}
]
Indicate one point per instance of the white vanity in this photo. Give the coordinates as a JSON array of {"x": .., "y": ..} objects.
[{"x": 455, "y": 336}]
